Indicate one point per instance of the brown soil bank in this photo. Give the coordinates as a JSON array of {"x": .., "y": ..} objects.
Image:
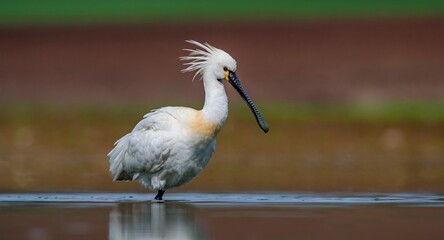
[{"x": 310, "y": 60}]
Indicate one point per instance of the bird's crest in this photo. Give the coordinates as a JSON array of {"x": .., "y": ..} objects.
[{"x": 198, "y": 58}]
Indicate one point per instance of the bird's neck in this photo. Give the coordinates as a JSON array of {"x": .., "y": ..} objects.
[{"x": 215, "y": 109}]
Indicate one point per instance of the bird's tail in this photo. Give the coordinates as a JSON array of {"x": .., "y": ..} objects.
[{"x": 116, "y": 158}]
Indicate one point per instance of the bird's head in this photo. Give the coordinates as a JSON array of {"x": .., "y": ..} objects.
[
  {"x": 211, "y": 61},
  {"x": 208, "y": 60}
]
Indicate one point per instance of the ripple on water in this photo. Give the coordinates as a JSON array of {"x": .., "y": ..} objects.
[{"x": 232, "y": 199}]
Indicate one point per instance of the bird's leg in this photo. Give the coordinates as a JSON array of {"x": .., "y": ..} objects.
[{"x": 159, "y": 195}]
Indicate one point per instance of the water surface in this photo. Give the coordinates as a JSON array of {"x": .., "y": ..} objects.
[{"x": 222, "y": 216}]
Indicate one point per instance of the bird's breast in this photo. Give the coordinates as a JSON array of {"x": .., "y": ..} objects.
[{"x": 204, "y": 128}]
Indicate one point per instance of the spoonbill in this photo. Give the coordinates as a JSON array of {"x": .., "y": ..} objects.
[{"x": 171, "y": 145}]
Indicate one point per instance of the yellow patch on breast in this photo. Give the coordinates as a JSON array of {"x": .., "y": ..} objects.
[{"x": 202, "y": 127}]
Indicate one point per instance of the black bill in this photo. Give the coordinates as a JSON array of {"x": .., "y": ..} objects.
[{"x": 232, "y": 78}]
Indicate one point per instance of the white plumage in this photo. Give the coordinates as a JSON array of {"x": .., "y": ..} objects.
[{"x": 171, "y": 145}]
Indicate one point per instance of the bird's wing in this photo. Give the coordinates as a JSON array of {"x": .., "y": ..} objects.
[{"x": 146, "y": 148}]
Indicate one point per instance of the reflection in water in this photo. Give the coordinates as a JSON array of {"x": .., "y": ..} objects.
[{"x": 154, "y": 221}]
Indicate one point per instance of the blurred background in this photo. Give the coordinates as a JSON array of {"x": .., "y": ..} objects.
[{"x": 352, "y": 90}]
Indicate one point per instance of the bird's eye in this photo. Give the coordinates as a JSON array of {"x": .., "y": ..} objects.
[{"x": 225, "y": 69}]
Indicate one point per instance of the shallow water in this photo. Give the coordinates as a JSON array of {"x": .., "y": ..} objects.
[{"x": 222, "y": 216}]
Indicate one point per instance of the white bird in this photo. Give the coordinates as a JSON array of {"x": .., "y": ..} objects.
[{"x": 171, "y": 145}]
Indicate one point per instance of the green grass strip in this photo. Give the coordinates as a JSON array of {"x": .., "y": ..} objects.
[
  {"x": 62, "y": 12},
  {"x": 381, "y": 112}
]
